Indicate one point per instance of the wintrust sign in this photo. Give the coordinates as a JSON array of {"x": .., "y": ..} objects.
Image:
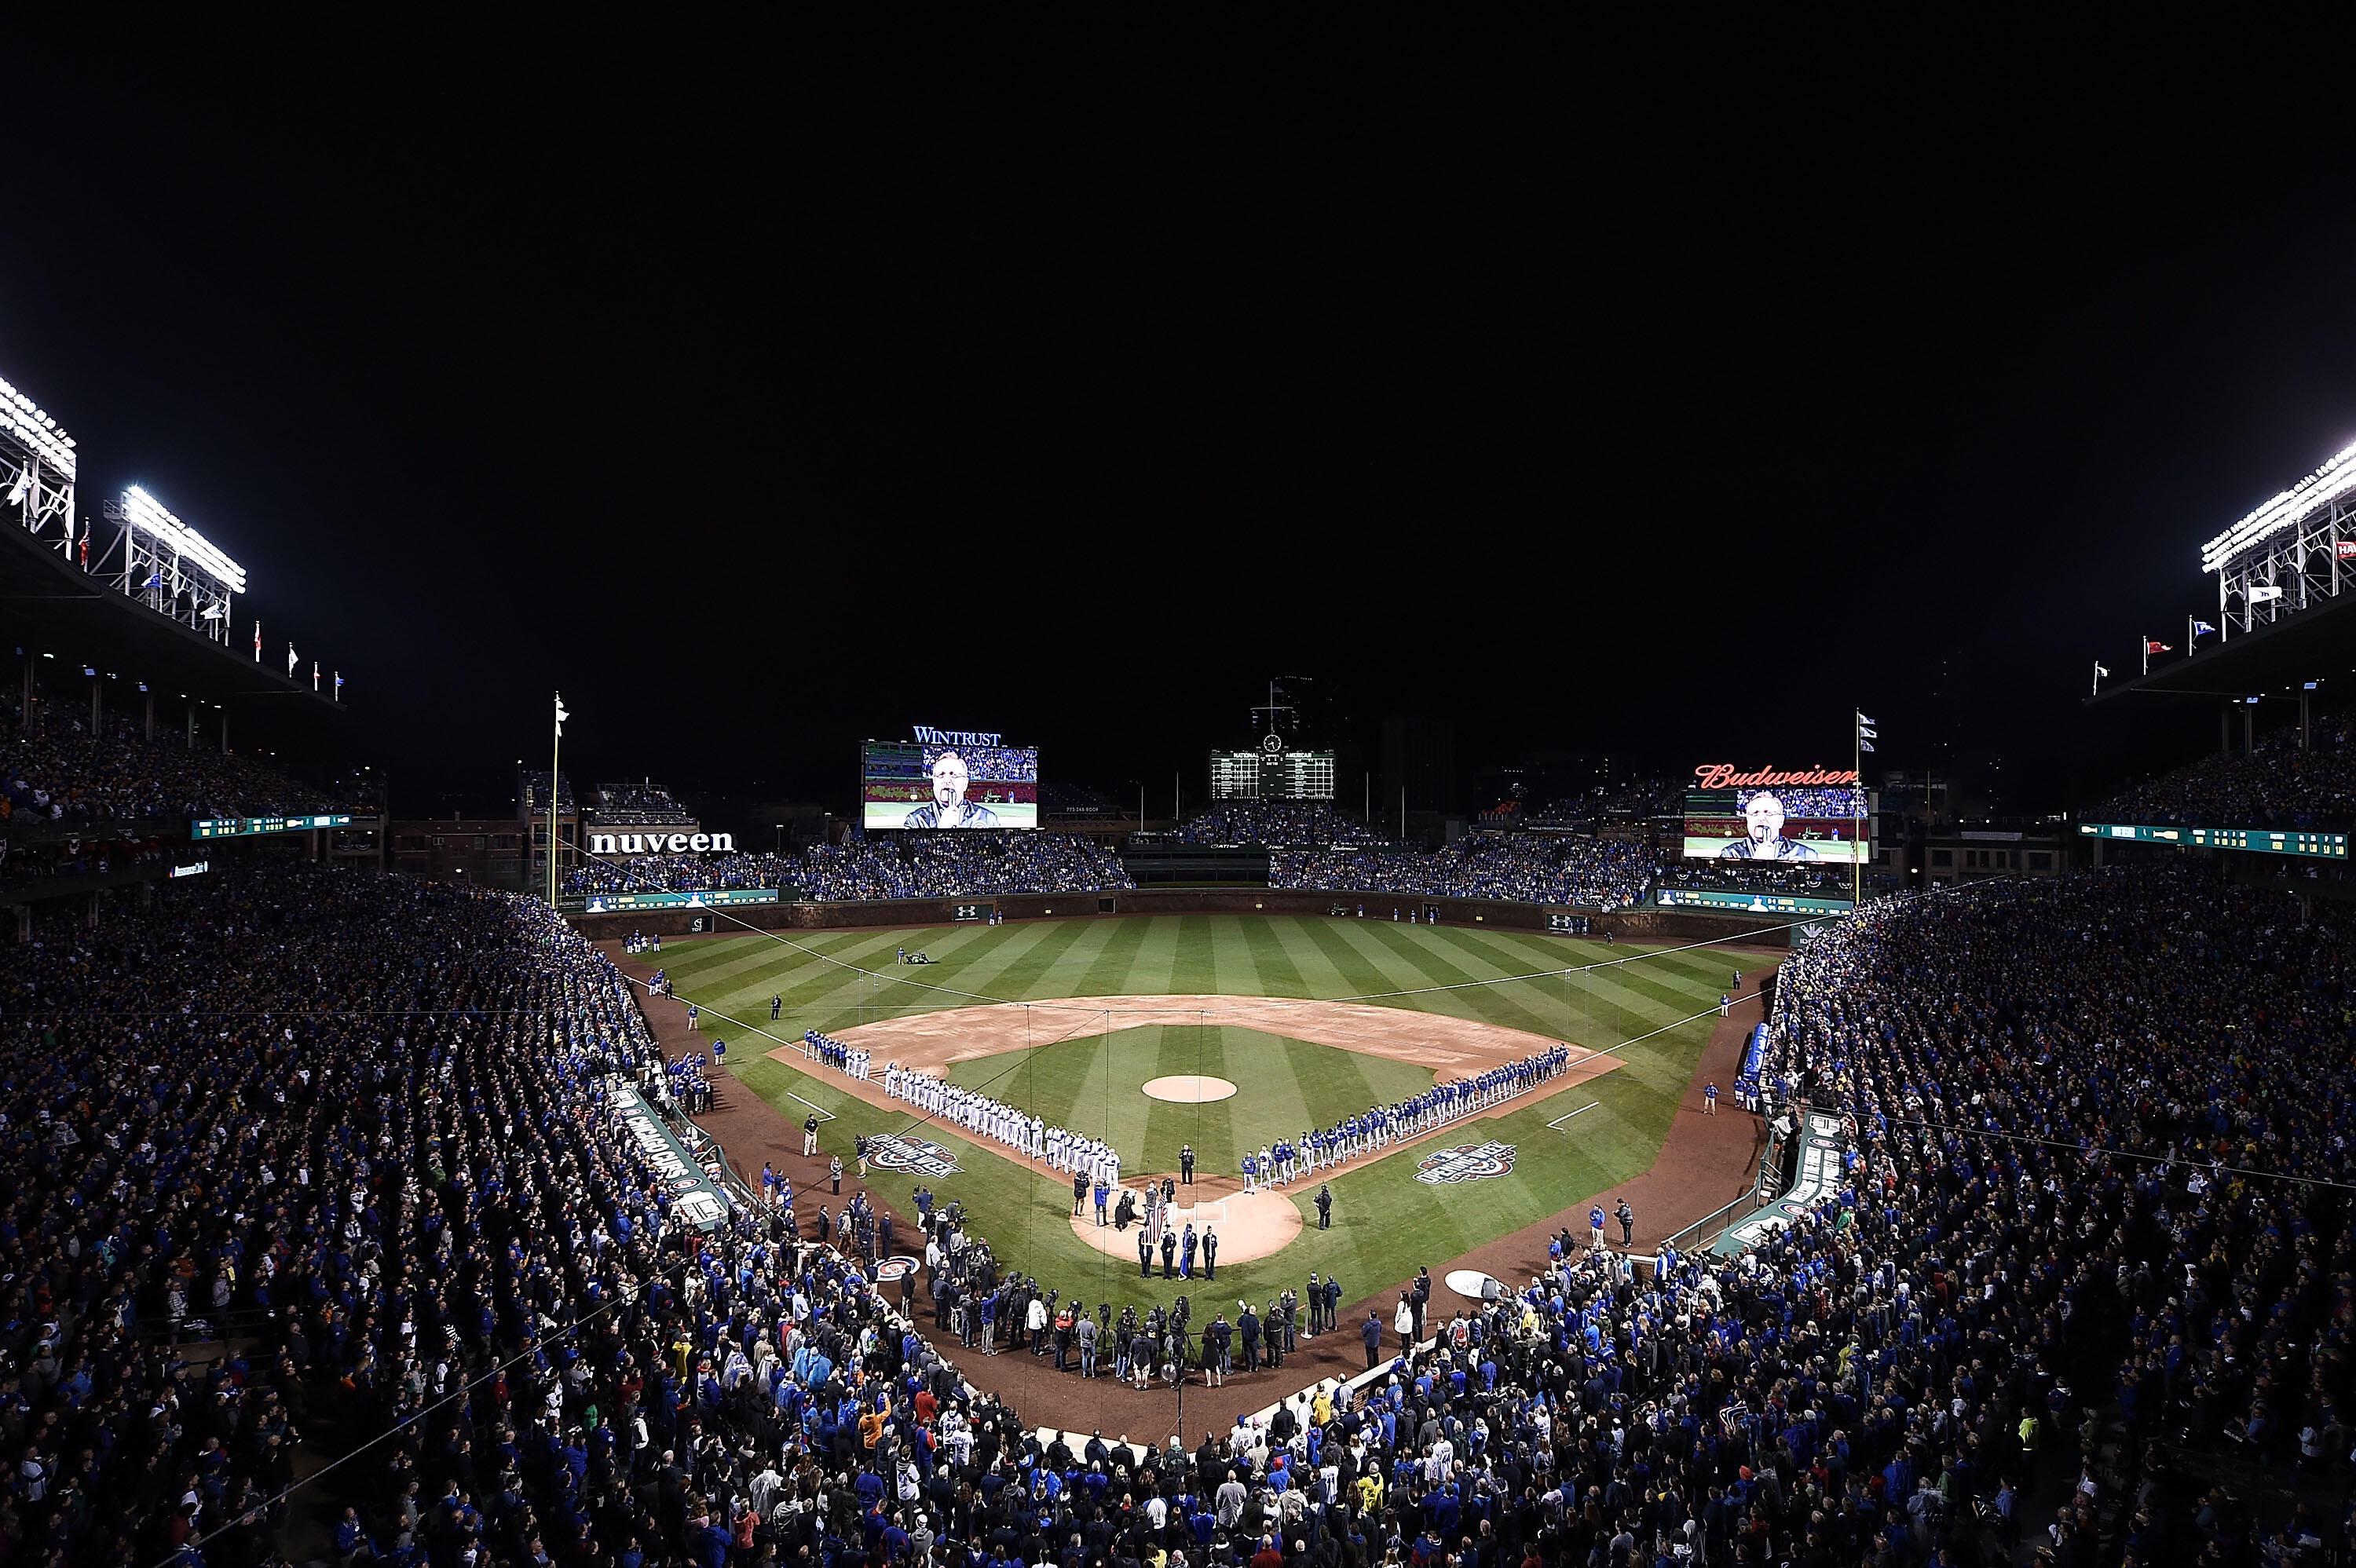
[{"x": 658, "y": 843}]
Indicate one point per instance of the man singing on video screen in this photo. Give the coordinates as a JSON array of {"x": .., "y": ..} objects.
[
  {"x": 951, "y": 809},
  {"x": 1764, "y": 818}
]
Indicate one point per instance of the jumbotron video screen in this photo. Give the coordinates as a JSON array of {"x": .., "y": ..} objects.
[
  {"x": 948, "y": 778},
  {"x": 1793, "y": 817}
]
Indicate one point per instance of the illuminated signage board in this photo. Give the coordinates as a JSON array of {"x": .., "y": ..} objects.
[
  {"x": 708, "y": 897},
  {"x": 2265, "y": 840},
  {"x": 1750, "y": 903},
  {"x": 246, "y": 827}
]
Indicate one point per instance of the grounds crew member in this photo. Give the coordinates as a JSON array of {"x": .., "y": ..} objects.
[{"x": 1324, "y": 1207}]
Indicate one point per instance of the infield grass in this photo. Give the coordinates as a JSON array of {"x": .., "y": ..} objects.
[{"x": 1386, "y": 1224}]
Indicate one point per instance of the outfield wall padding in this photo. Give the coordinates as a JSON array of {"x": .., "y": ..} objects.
[{"x": 1647, "y": 925}]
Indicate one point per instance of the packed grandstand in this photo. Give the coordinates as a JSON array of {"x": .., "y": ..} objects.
[
  {"x": 2090, "y": 1199},
  {"x": 2277, "y": 784},
  {"x": 68, "y": 773},
  {"x": 1605, "y": 874},
  {"x": 310, "y": 1162}
]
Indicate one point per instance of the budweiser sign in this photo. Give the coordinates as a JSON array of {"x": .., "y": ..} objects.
[{"x": 1726, "y": 775}]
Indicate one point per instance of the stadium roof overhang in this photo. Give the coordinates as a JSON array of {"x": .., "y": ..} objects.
[
  {"x": 2315, "y": 644},
  {"x": 47, "y": 605}
]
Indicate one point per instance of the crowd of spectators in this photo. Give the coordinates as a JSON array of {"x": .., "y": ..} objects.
[
  {"x": 2093, "y": 1187},
  {"x": 1276, "y": 823},
  {"x": 69, "y": 773},
  {"x": 950, "y": 864},
  {"x": 645, "y": 804},
  {"x": 1636, "y": 800},
  {"x": 2097, "y": 1174},
  {"x": 2275, "y": 786},
  {"x": 75, "y": 856},
  {"x": 364, "y": 1121},
  {"x": 683, "y": 873},
  {"x": 1602, "y": 873}
]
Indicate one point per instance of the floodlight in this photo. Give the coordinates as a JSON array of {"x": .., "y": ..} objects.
[
  {"x": 2318, "y": 489},
  {"x": 22, "y": 418},
  {"x": 144, "y": 512}
]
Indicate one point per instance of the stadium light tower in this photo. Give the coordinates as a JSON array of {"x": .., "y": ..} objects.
[
  {"x": 36, "y": 465},
  {"x": 173, "y": 569}
]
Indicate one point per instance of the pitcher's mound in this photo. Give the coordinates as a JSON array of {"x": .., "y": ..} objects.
[
  {"x": 1250, "y": 1224},
  {"x": 1187, "y": 1089}
]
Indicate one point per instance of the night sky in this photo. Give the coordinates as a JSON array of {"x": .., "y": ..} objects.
[{"x": 1653, "y": 396}]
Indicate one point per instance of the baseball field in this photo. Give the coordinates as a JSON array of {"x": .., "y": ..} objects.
[{"x": 1104, "y": 1007}]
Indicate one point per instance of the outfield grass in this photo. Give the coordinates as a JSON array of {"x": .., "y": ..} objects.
[{"x": 1384, "y": 1222}]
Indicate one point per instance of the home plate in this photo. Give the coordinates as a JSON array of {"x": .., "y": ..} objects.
[
  {"x": 1471, "y": 1283},
  {"x": 1188, "y": 1089}
]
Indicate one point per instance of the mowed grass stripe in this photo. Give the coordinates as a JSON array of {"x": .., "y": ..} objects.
[
  {"x": 1272, "y": 968},
  {"x": 1234, "y": 972},
  {"x": 1430, "y": 967},
  {"x": 1321, "y": 975},
  {"x": 1139, "y": 949},
  {"x": 1363, "y": 971},
  {"x": 1009, "y": 969}
]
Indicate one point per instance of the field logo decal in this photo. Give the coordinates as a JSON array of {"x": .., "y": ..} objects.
[
  {"x": 922, "y": 1155},
  {"x": 1465, "y": 1162}
]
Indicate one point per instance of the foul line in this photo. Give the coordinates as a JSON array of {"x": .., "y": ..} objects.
[
  {"x": 821, "y": 1110},
  {"x": 1559, "y": 1120}
]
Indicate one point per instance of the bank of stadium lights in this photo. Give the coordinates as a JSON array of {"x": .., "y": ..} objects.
[
  {"x": 37, "y": 466},
  {"x": 2326, "y": 484},
  {"x": 144, "y": 512},
  {"x": 23, "y": 419}
]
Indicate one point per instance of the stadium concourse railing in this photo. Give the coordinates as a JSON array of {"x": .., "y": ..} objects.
[{"x": 1639, "y": 925}]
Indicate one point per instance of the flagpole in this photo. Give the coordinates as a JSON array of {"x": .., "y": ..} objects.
[
  {"x": 1857, "y": 822},
  {"x": 556, "y": 750}
]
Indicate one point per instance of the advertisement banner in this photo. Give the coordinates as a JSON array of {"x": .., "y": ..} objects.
[
  {"x": 246, "y": 827},
  {"x": 694, "y": 1196},
  {"x": 1787, "y": 819},
  {"x": 1749, "y": 902},
  {"x": 2265, "y": 840},
  {"x": 704, "y": 898}
]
